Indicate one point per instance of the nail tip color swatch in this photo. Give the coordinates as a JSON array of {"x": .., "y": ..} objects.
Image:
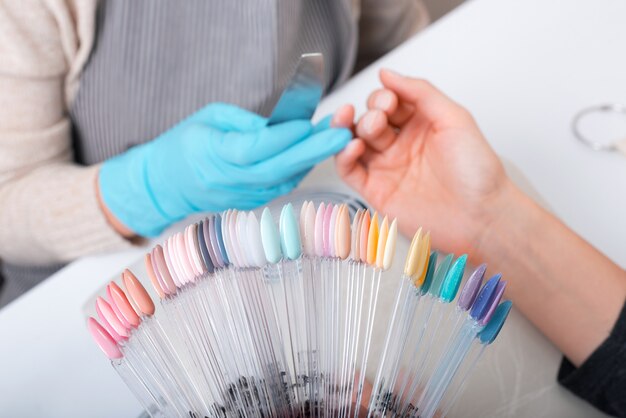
[{"x": 257, "y": 319}]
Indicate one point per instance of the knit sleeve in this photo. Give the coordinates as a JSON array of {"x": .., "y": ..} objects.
[
  {"x": 601, "y": 379},
  {"x": 48, "y": 207}
]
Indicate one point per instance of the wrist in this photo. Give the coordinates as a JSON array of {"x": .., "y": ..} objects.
[
  {"x": 117, "y": 225},
  {"x": 510, "y": 219},
  {"x": 570, "y": 291},
  {"x": 126, "y": 194}
]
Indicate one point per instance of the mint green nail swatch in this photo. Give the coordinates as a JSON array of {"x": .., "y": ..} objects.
[
  {"x": 270, "y": 237},
  {"x": 290, "y": 233}
]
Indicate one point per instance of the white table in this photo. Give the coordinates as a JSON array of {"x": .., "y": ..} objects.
[{"x": 523, "y": 67}]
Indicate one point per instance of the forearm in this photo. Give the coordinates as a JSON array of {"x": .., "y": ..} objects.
[
  {"x": 51, "y": 215},
  {"x": 565, "y": 287}
]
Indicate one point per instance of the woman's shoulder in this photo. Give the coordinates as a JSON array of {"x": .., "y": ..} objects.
[{"x": 42, "y": 39}]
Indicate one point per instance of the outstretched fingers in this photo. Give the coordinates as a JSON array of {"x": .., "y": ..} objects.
[{"x": 427, "y": 99}]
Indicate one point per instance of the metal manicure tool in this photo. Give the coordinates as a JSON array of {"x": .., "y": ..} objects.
[{"x": 304, "y": 91}]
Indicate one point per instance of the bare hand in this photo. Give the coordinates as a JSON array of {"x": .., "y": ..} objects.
[{"x": 420, "y": 157}]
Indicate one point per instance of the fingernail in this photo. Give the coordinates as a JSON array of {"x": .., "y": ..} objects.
[
  {"x": 383, "y": 101},
  {"x": 368, "y": 122},
  {"x": 351, "y": 145},
  {"x": 391, "y": 72}
]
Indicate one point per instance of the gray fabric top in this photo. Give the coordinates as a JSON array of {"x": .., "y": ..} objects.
[{"x": 156, "y": 61}]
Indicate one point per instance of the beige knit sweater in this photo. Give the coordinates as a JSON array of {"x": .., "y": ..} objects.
[{"x": 48, "y": 207}]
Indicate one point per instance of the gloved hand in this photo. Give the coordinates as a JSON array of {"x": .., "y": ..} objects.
[{"x": 218, "y": 158}]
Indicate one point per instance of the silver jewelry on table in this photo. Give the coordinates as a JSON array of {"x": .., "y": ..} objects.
[{"x": 618, "y": 145}]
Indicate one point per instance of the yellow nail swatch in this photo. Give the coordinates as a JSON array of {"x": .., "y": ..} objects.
[
  {"x": 382, "y": 241},
  {"x": 410, "y": 266},
  {"x": 390, "y": 245},
  {"x": 363, "y": 235},
  {"x": 422, "y": 262}
]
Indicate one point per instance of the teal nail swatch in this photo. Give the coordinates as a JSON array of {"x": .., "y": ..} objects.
[
  {"x": 453, "y": 279},
  {"x": 430, "y": 272},
  {"x": 493, "y": 327},
  {"x": 440, "y": 275}
]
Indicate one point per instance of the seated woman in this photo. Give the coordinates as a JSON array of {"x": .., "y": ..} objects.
[
  {"x": 420, "y": 157},
  {"x": 106, "y": 103}
]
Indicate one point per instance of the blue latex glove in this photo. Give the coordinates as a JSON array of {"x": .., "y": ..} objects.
[{"x": 218, "y": 158}]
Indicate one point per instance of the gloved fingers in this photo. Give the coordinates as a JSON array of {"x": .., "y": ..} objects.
[
  {"x": 301, "y": 156},
  {"x": 243, "y": 194},
  {"x": 283, "y": 187},
  {"x": 293, "y": 182},
  {"x": 249, "y": 148},
  {"x": 227, "y": 117},
  {"x": 252, "y": 197},
  {"x": 197, "y": 139}
]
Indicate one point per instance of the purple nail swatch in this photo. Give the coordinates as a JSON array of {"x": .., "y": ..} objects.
[
  {"x": 495, "y": 300},
  {"x": 482, "y": 303},
  {"x": 471, "y": 288}
]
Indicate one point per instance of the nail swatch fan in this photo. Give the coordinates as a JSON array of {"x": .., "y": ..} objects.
[{"x": 259, "y": 319}]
